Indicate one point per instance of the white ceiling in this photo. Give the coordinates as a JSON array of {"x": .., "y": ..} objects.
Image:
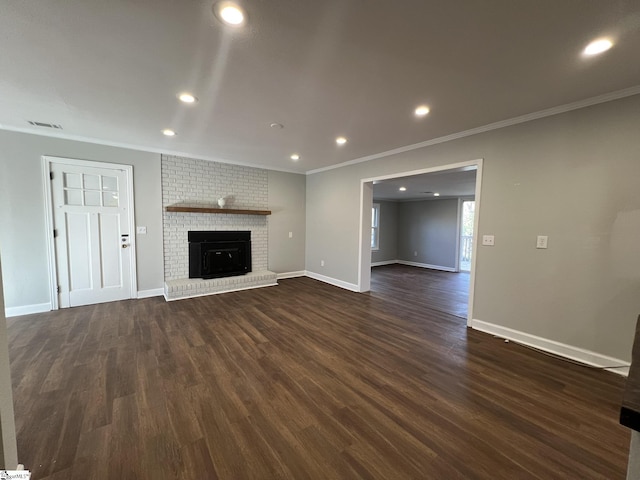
[
  {"x": 448, "y": 183},
  {"x": 110, "y": 71}
]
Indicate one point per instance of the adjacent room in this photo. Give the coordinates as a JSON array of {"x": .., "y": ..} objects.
[
  {"x": 337, "y": 239},
  {"x": 422, "y": 238}
]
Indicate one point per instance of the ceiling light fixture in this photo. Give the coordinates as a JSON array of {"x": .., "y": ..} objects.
[
  {"x": 403, "y": 189},
  {"x": 168, "y": 132},
  {"x": 597, "y": 46},
  {"x": 277, "y": 126},
  {"x": 421, "y": 111},
  {"x": 436, "y": 194},
  {"x": 187, "y": 98},
  {"x": 341, "y": 140},
  {"x": 230, "y": 13},
  {"x": 295, "y": 157}
]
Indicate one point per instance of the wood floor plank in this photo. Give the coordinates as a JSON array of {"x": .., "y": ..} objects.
[{"x": 304, "y": 381}]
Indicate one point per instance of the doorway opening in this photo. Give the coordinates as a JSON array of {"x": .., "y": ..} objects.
[{"x": 428, "y": 206}]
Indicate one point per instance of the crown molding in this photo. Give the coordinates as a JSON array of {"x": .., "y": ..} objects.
[{"x": 607, "y": 97}]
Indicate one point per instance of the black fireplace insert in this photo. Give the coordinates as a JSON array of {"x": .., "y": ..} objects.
[{"x": 214, "y": 254}]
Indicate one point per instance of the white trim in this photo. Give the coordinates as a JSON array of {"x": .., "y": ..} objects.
[
  {"x": 154, "y": 292},
  {"x": 458, "y": 233},
  {"x": 300, "y": 273},
  {"x": 557, "y": 348},
  {"x": 414, "y": 264},
  {"x": 361, "y": 261},
  {"x": 384, "y": 262},
  {"x": 623, "y": 371},
  {"x": 461, "y": 166},
  {"x": 128, "y": 169},
  {"x": 140, "y": 148},
  {"x": 607, "y": 97},
  {"x": 133, "y": 241},
  {"x": 274, "y": 284},
  {"x": 27, "y": 309},
  {"x": 474, "y": 241},
  {"x": 333, "y": 281},
  {"x": 48, "y": 223},
  {"x": 426, "y": 265}
]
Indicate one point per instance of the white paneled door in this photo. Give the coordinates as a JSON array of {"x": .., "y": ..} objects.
[{"x": 92, "y": 237}]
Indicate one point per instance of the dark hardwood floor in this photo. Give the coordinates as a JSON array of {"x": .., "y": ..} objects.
[
  {"x": 301, "y": 381},
  {"x": 444, "y": 291}
]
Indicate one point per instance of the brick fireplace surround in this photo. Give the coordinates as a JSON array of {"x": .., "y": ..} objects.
[{"x": 200, "y": 183}]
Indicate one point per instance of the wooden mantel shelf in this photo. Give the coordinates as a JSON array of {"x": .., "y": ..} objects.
[{"x": 203, "y": 209}]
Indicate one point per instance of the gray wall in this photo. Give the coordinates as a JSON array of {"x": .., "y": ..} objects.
[
  {"x": 429, "y": 228},
  {"x": 287, "y": 202},
  {"x": 22, "y": 213},
  {"x": 388, "y": 241},
  {"x": 8, "y": 446},
  {"x": 573, "y": 177}
]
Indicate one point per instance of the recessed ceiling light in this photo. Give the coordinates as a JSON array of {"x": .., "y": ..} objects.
[
  {"x": 341, "y": 140},
  {"x": 403, "y": 189},
  {"x": 421, "y": 111},
  {"x": 295, "y": 157},
  {"x": 598, "y": 46},
  {"x": 436, "y": 194},
  {"x": 187, "y": 98},
  {"x": 230, "y": 13},
  {"x": 168, "y": 132}
]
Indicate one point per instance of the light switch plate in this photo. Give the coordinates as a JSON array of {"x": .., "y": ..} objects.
[
  {"x": 141, "y": 230},
  {"x": 488, "y": 240},
  {"x": 542, "y": 241}
]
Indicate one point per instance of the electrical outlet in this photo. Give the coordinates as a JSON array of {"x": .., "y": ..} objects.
[
  {"x": 290, "y": 234},
  {"x": 322, "y": 263},
  {"x": 141, "y": 230},
  {"x": 415, "y": 253},
  {"x": 542, "y": 241},
  {"x": 488, "y": 240}
]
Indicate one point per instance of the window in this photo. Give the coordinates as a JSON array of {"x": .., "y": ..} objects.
[{"x": 375, "y": 226}]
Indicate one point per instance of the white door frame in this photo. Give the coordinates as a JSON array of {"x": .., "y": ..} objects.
[
  {"x": 458, "y": 232},
  {"x": 48, "y": 205},
  {"x": 366, "y": 201}
]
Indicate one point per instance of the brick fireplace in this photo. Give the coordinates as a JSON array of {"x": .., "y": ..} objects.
[{"x": 187, "y": 181}]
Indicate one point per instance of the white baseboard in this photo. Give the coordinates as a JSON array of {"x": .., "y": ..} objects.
[
  {"x": 561, "y": 349},
  {"x": 154, "y": 292},
  {"x": 333, "y": 281},
  {"x": 426, "y": 265},
  {"x": 384, "y": 262},
  {"x": 27, "y": 309},
  {"x": 300, "y": 273}
]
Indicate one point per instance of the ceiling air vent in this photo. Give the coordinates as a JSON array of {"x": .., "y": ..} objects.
[
  {"x": 46, "y": 125},
  {"x": 429, "y": 193}
]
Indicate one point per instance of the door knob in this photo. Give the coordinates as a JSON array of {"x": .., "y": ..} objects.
[{"x": 124, "y": 245}]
